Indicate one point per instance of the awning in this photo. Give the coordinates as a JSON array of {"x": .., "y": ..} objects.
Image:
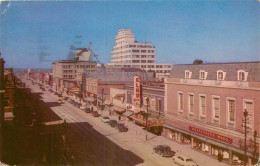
[
  {"x": 120, "y": 95},
  {"x": 90, "y": 99},
  {"x": 128, "y": 113},
  {"x": 119, "y": 109},
  {"x": 210, "y": 141}
]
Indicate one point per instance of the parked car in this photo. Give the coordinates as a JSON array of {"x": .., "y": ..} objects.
[
  {"x": 55, "y": 93},
  {"x": 112, "y": 123},
  {"x": 88, "y": 110},
  {"x": 59, "y": 95},
  {"x": 95, "y": 113},
  {"x": 164, "y": 150},
  {"x": 83, "y": 106},
  {"x": 60, "y": 101},
  {"x": 75, "y": 103},
  {"x": 79, "y": 105},
  {"x": 105, "y": 119},
  {"x": 237, "y": 161},
  {"x": 65, "y": 98},
  {"x": 50, "y": 90},
  {"x": 184, "y": 160},
  {"x": 121, "y": 127}
]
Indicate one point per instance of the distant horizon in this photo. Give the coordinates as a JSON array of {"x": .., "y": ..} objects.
[{"x": 34, "y": 34}]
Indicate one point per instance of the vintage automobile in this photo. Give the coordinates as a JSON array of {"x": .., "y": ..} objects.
[
  {"x": 184, "y": 160},
  {"x": 164, "y": 150},
  {"x": 105, "y": 119},
  {"x": 121, "y": 127},
  {"x": 95, "y": 114},
  {"x": 112, "y": 123}
]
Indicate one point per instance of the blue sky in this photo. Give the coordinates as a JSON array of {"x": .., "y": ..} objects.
[{"x": 214, "y": 31}]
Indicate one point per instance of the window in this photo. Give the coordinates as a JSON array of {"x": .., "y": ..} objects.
[
  {"x": 135, "y": 50},
  {"x": 191, "y": 103},
  {"x": 135, "y": 61},
  {"x": 188, "y": 74},
  {"x": 202, "y": 106},
  {"x": 216, "y": 108},
  {"x": 143, "y": 56},
  {"x": 143, "y": 61},
  {"x": 180, "y": 102},
  {"x": 143, "y": 51},
  {"x": 242, "y": 75},
  {"x": 203, "y": 75},
  {"x": 249, "y": 107},
  {"x": 231, "y": 110},
  {"x": 221, "y": 75},
  {"x": 150, "y": 61}
]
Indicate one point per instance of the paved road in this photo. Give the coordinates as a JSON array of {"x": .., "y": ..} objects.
[{"x": 131, "y": 147}]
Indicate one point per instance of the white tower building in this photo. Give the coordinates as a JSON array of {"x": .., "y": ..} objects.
[{"x": 129, "y": 53}]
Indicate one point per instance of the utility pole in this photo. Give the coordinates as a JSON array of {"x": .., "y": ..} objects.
[
  {"x": 245, "y": 148},
  {"x": 147, "y": 100},
  {"x": 102, "y": 99}
]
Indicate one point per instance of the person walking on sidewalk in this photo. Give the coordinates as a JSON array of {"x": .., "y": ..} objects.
[{"x": 220, "y": 157}]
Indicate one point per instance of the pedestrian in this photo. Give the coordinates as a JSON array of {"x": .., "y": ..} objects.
[
  {"x": 119, "y": 118},
  {"x": 146, "y": 137},
  {"x": 220, "y": 157}
]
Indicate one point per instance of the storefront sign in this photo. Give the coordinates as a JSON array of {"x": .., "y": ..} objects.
[
  {"x": 137, "y": 97},
  {"x": 209, "y": 134}
]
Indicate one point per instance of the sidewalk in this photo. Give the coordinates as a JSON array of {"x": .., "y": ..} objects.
[
  {"x": 185, "y": 149},
  {"x": 152, "y": 139}
]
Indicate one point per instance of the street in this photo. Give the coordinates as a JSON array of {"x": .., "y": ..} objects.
[{"x": 105, "y": 145}]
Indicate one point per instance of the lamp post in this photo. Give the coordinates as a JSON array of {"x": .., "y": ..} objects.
[
  {"x": 147, "y": 101},
  {"x": 245, "y": 148},
  {"x": 102, "y": 99}
]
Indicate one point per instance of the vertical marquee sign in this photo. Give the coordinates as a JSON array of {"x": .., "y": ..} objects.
[{"x": 137, "y": 97}]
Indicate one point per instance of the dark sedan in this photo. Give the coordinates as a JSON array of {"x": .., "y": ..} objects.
[
  {"x": 164, "y": 150},
  {"x": 112, "y": 123},
  {"x": 88, "y": 110},
  {"x": 121, "y": 128},
  {"x": 95, "y": 113}
]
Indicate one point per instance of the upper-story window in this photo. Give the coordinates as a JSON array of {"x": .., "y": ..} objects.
[
  {"x": 202, "y": 105},
  {"x": 188, "y": 74},
  {"x": 221, "y": 75},
  {"x": 231, "y": 110},
  {"x": 242, "y": 75},
  {"x": 180, "y": 102},
  {"x": 203, "y": 75},
  {"x": 249, "y": 107}
]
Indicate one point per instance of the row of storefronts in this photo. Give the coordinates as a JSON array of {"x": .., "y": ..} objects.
[{"x": 206, "y": 114}]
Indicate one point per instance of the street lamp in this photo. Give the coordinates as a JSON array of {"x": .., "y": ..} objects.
[
  {"x": 102, "y": 99},
  {"x": 147, "y": 101},
  {"x": 245, "y": 148}
]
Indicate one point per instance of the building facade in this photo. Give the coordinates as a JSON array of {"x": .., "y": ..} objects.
[
  {"x": 150, "y": 110},
  {"x": 205, "y": 107},
  {"x": 129, "y": 53},
  {"x": 68, "y": 72},
  {"x": 98, "y": 83}
]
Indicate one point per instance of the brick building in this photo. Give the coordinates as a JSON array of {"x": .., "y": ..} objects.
[{"x": 205, "y": 105}]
